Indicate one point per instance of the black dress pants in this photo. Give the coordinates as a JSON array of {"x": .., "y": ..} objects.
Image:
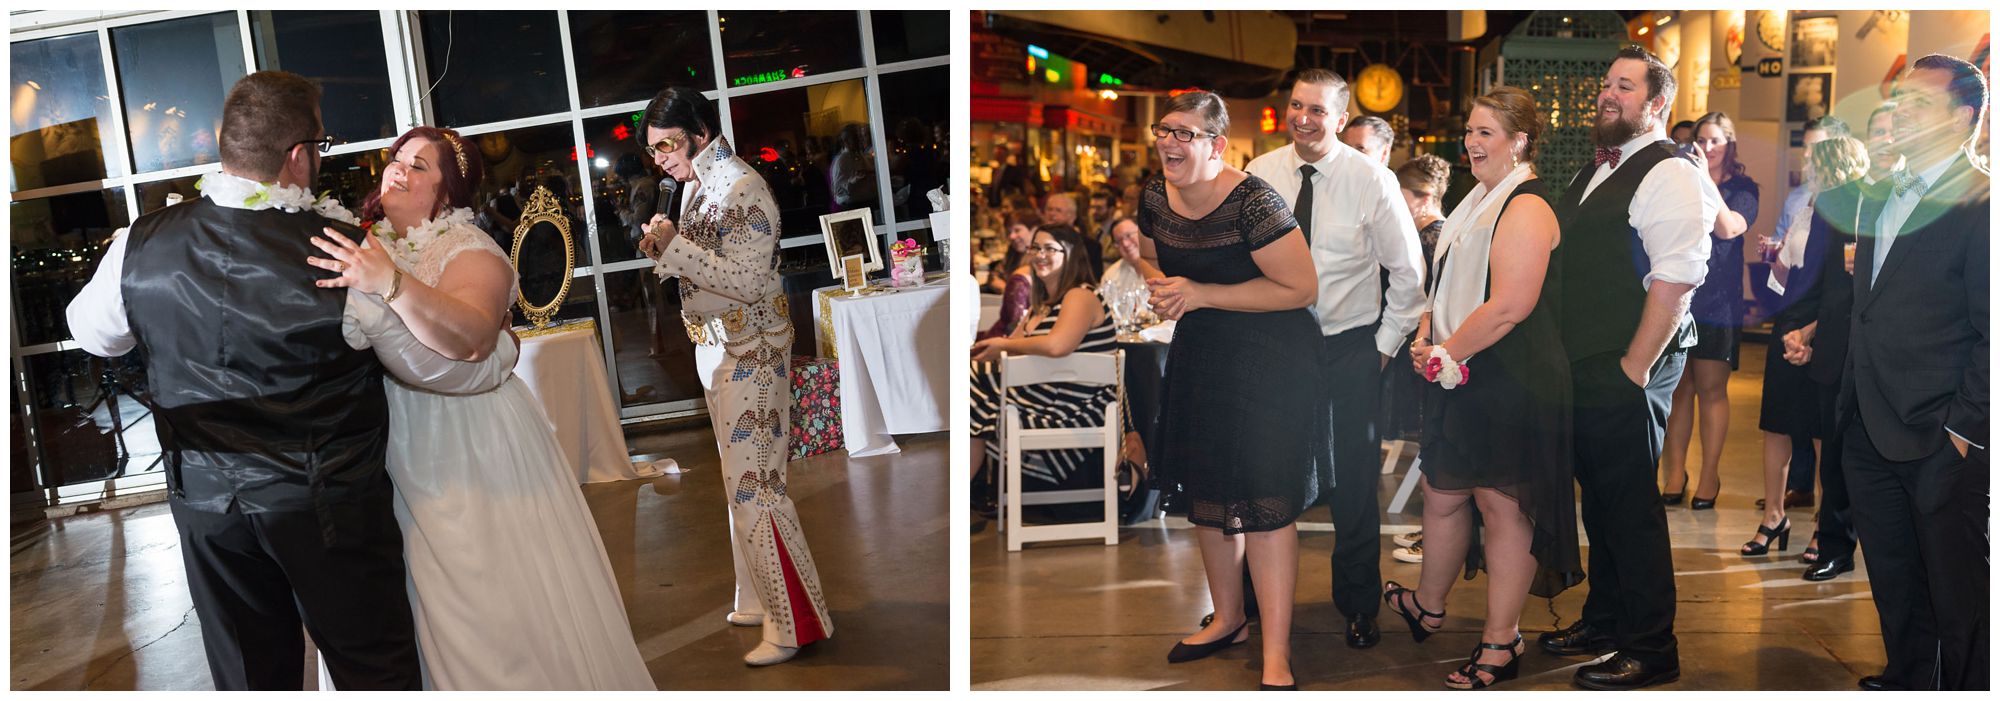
[
  {"x": 1925, "y": 525},
  {"x": 1620, "y": 431},
  {"x": 256, "y": 578},
  {"x": 1352, "y": 370},
  {"x": 1836, "y": 524}
]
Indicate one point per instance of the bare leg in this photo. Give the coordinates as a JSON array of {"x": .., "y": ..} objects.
[
  {"x": 1777, "y": 460},
  {"x": 1510, "y": 568},
  {"x": 978, "y": 455},
  {"x": 1712, "y": 394},
  {"x": 1447, "y": 537},
  {"x": 1222, "y": 560},
  {"x": 1680, "y": 432},
  {"x": 1274, "y": 571}
]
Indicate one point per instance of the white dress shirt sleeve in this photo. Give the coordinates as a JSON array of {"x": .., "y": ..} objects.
[
  {"x": 1673, "y": 214},
  {"x": 97, "y": 314},
  {"x": 1393, "y": 235}
]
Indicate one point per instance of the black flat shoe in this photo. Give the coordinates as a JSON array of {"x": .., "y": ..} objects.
[
  {"x": 1500, "y": 673},
  {"x": 1782, "y": 534},
  {"x": 1361, "y": 632},
  {"x": 1828, "y": 568},
  {"x": 1277, "y": 687},
  {"x": 1621, "y": 673},
  {"x": 1418, "y": 631},
  {"x": 1249, "y": 614},
  {"x": 1184, "y": 652},
  {"x": 1579, "y": 638}
]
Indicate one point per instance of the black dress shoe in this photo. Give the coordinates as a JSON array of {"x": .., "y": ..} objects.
[
  {"x": 1361, "y": 631},
  {"x": 1621, "y": 673},
  {"x": 1579, "y": 638},
  {"x": 1184, "y": 652},
  {"x": 1277, "y": 687},
  {"x": 1873, "y": 682},
  {"x": 1829, "y": 567}
]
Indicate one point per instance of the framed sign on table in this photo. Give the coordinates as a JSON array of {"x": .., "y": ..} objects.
[{"x": 851, "y": 233}]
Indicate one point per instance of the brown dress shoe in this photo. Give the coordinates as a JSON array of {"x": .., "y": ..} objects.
[{"x": 1793, "y": 500}]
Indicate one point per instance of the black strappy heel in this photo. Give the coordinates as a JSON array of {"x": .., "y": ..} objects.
[
  {"x": 1782, "y": 534},
  {"x": 1501, "y": 673},
  {"x": 1417, "y": 630}
]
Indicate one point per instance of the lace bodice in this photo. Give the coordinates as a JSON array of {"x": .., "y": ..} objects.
[{"x": 429, "y": 247}]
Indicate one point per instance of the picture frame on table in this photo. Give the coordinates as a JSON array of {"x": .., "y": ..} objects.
[
  {"x": 852, "y": 276},
  {"x": 851, "y": 233}
]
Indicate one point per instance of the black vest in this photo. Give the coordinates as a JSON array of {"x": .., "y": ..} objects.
[
  {"x": 260, "y": 404},
  {"x": 1604, "y": 263}
]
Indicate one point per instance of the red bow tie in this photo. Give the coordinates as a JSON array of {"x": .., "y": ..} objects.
[{"x": 1607, "y": 155}]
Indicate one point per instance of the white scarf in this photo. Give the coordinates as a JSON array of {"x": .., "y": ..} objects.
[{"x": 1468, "y": 237}]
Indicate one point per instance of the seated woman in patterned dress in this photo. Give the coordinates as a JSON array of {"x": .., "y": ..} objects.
[{"x": 1064, "y": 316}]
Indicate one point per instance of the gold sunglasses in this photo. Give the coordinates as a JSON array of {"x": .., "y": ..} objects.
[{"x": 670, "y": 143}]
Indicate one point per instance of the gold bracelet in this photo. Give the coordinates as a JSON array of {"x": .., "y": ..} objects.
[{"x": 395, "y": 287}]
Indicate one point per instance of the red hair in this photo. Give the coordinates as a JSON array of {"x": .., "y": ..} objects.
[{"x": 455, "y": 186}]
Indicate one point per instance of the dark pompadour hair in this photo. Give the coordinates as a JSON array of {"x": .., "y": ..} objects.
[{"x": 683, "y": 108}]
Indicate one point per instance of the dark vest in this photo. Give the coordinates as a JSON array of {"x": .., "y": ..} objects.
[
  {"x": 1604, "y": 263},
  {"x": 260, "y": 404}
]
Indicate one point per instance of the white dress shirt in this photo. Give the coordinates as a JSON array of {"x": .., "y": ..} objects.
[
  {"x": 1896, "y": 211},
  {"x": 1359, "y": 225},
  {"x": 1673, "y": 210}
]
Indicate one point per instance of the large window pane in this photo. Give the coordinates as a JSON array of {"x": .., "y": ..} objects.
[
  {"x": 625, "y": 184},
  {"x": 765, "y": 47},
  {"x": 61, "y": 112},
  {"x": 172, "y": 77},
  {"x": 89, "y": 423},
  {"x": 904, "y": 35},
  {"x": 623, "y": 56},
  {"x": 342, "y": 50},
  {"x": 156, "y": 194},
  {"x": 812, "y": 145},
  {"x": 517, "y": 162},
  {"x": 350, "y": 177},
  {"x": 655, "y": 359},
  {"x": 57, "y": 243},
  {"x": 493, "y": 66},
  {"x": 918, "y": 119}
]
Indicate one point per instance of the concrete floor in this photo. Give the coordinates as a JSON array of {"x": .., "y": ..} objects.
[
  {"x": 99, "y": 600},
  {"x": 1086, "y": 616}
]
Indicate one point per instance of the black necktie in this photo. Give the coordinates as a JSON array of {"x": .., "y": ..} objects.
[{"x": 1302, "y": 207}]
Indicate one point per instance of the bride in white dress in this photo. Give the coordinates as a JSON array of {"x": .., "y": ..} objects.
[{"x": 507, "y": 575}]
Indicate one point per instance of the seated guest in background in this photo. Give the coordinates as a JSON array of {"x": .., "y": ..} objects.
[
  {"x": 1718, "y": 320},
  {"x": 1127, "y": 274},
  {"x": 1014, "y": 299},
  {"x": 1501, "y": 441},
  {"x": 1065, "y": 317},
  {"x": 1822, "y": 344},
  {"x": 1239, "y": 430},
  {"x": 1060, "y": 210},
  {"x": 1683, "y": 133},
  {"x": 1103, "y": 204},
  {"x": 1371, "y": 136},
  {"x": 1913, "y": 410},
  {"x": 1423, "y": 180}
]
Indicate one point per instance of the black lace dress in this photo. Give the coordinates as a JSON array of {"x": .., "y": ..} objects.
[{"x": 1239, "y": 420}]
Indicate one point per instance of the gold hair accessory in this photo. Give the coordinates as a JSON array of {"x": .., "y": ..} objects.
[{"x": 457, "y": 150}]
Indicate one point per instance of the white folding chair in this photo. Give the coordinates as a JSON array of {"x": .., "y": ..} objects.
[{"x": 1099, "y": 369}]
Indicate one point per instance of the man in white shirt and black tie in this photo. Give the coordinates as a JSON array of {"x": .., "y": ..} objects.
[
  {"x": 1913, "y": 400},
  {"x": 1354, "y": 218},
  {"x": 1635, "y": 228}
]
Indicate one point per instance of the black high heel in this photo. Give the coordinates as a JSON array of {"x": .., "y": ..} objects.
[
  {"x": 1700, "y": 504},
  {"x": 1417, "y": 630},
  {"x": 1184, "y": 652},
  {"x": 1501, "y": 673},
  {"x": 1783, "y": 534},
  {"x": 1673, "y": 499}
]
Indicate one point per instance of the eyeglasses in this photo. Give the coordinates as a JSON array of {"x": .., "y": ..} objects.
[
  {"x": 670, "y": 143},
  {"x": 1049, "y": 248},
  {"x": 1161, "y": 131},
  {"x": 325, "y": 143}
]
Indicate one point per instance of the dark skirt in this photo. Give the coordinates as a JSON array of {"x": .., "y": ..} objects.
[
  {"x": 1717, "y": 342},
  {"x": 1791, "y": 398},
  {"x": 1240, "y": 429}
]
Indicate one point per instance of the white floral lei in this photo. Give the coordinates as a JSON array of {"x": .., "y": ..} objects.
[
  {"x": 407, "y": 246},
  {"x": 243, "y": 193}
]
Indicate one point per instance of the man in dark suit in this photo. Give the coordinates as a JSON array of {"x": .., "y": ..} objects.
[
  {"x": 1913, "y": 405},
  {"x": 273, "y": 428}
]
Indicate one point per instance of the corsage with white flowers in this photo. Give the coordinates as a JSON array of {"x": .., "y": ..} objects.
[{"x": 1441, "y": 369}]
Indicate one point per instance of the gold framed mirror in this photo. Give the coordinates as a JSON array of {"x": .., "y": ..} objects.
[{"x": 542, "y": 224}]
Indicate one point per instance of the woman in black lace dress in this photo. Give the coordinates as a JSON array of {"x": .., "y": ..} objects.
[{"x": 1238, "y": 417}]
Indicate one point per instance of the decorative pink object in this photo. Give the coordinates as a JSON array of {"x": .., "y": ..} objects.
[{"x": 906, "y": 263}]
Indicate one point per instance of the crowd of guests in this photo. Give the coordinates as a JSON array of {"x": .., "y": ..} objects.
[{"x": 1555, "y": 348}]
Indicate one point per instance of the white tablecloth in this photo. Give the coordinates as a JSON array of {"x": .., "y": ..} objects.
[
  {"x": 895, "y": 364},
  {"x": 565, "y": 370}
]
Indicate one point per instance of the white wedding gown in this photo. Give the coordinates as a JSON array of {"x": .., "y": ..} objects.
[{"x": 507, "y": 575}]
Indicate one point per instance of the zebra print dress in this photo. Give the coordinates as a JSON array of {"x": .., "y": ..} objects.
[{"x": 1053, "y": 405}]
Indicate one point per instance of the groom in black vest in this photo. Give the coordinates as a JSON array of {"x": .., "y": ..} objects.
[
  {"x": 273, "y": 430},
  {"x": 1635, "y": 245}
]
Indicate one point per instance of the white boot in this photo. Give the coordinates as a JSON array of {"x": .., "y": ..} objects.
[
  {"x": 768, "y": 654},
  {"x": 739, "y": 618}
]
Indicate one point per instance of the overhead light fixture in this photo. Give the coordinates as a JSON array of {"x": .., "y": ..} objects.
[
  {"x": 34, "y": 85},
  {"x": 1663, "y": 20},
  {"x": 1107, "y": 94},
  {"x": 1643, "y": 30}
]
